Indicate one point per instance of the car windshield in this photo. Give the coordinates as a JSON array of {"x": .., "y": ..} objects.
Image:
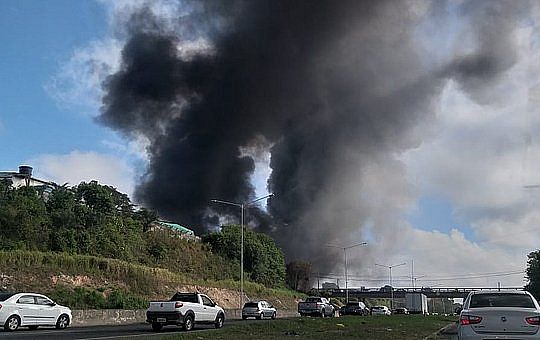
[
  {"x": 5, "y": 296},
  {"x": 251, "y": 305},
  {"x": 313, "y": 299},
  {"x": 501, "y": 300},
  {"x": 185, "y": 297}
]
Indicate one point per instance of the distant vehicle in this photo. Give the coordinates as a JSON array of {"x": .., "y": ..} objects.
[
  {"x": 380, "y": 310},
  {"x": 31, "y": 310},
  {"x": 258, "y": 310},
  {"x": 400, "y": 311},
  {"x": 416, "y": 303},
  {"x": 386, "y": 288},
  {"x": 185, "y": 309},
  {"x": 499, "y": 315},
  {"x": 354, "y": 308},
  {"x": 316, "y": 306}
]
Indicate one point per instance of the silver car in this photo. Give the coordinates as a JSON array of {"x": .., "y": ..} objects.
[
  {"x": 258, "y": 310},
  {"x": 499, "y": 315}
]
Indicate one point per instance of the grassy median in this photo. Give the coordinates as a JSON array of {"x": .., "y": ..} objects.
[{"x": 392, "y": 327}]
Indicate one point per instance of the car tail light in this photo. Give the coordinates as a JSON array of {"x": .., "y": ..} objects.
[
  {"x": 469, "y": 319},
  {"x": 533, "y": 320},
  {"x": 178, "y": 305},
  {"x": 0, "y": 306}
]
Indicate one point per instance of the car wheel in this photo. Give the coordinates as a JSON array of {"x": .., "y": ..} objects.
[
  {"x": 219, "y": 321},
  {"x": 188, "y": 323},
  {"x": 273, "y": 315},
  {"x": 62, "y": 322},
  {"x": 323, "y": 313},
  {"x": 33, "y": 327},
  {"x": 260, "y": 317},
  {"x": 302, "y": 314},
  {"x": 244, "y": 317},
  {"x": 12, "y": 323},
  {"x": 156, "y": 326}
]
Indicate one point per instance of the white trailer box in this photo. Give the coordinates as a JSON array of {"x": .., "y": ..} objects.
[{"x": 416, "y": 303}]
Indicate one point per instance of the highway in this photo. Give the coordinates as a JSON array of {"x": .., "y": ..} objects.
[{"x": 140, "y": 330}]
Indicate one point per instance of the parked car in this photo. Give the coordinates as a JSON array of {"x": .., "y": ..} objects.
[
  {"x": 386, "y": 289},
  {"x": 401, "y": 310},
  {"x": 31, "y": 310},
  {"x": 355, "y": 308},
  {"x": 186, "y": 310},
  {"x": 499, "y": 315},
  {"x": 316, "y": 306},
  {"x": 258, "y": 310},
  {"x": 380, "y": 310}
]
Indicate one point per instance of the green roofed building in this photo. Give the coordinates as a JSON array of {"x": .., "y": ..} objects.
[{"x": 176, "y": 228}]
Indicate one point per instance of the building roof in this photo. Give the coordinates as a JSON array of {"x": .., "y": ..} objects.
[{"x": 176, "y": 227}]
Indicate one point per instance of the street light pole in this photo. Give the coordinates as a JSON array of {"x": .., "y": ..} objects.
[
  {"x": 242, "y": 206},
  {"x": 391, "y": 285},
  {"x": 345, "y": 257}
]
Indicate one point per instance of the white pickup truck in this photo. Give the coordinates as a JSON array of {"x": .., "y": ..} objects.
[{"x": 185, "y": 309}]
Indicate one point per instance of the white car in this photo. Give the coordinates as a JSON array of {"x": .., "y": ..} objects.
[
  {"x": 31, "y": 310},
  {"x": 258, "y": 310},
  {"x": 499, "y": 315},
  {"x": 380, "y": 310},
  {"x": 186, "y": 310}
]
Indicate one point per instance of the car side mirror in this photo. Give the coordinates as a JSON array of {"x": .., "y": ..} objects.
[{"x": 52, "y": 304}]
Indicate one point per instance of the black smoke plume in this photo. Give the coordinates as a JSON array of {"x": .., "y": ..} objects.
[{"x": 333, "y": 89}]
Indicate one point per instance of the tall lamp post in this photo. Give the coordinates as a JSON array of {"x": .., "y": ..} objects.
[
  {"x": 345, "y": 257},
  {"x": 391, "y": 286},
  {"x": 242, "y": 206}
]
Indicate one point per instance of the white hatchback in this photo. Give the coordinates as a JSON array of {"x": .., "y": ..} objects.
[{"x": 31, "y": 310}]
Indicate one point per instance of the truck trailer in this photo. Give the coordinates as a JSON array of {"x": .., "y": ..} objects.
[{"x": 416, "y": 303}]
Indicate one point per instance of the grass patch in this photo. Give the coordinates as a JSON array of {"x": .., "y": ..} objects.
[
  {"x": 402, "y": 327},
  {"x": 131, "y": 284}
]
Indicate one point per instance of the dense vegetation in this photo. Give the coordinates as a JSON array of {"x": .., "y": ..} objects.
[
  {"x": 263, "y": 259},
  {"x": 533, "y": 274},
  {"x": 97, "y": 220}
]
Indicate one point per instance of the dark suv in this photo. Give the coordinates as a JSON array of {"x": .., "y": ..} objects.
[{"x": 355, "y": 308}]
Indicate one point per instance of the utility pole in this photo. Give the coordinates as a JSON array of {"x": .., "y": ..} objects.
[
  {"x": 242, "y": 206},
  {"x": 391, "y": 286},
  {"x": 345, "y": 257}
]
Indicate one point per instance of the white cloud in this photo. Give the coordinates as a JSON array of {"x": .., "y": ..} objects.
[
  {"x": 78, "y": 82},
  {"x": 80, "y": 166}
]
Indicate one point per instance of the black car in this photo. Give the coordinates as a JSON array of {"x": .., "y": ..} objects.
[{"x": 355, "y": 308}]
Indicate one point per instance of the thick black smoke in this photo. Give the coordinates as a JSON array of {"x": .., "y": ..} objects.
[{"x": 335, "y": 88}]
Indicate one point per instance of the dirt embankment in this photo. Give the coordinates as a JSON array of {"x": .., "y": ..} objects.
[{"x": 42, "y": 281}]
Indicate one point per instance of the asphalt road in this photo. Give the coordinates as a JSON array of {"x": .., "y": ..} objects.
[{"x": 140, "y": 330}]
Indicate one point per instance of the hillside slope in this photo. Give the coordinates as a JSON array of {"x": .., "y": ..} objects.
[{"x": 82, "y": 281}]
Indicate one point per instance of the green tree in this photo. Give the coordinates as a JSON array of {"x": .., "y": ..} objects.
[
  {"x": 533, "y": 274},
  {"x": 263, "y": 259},
  {"x": 299, "y": 275}
]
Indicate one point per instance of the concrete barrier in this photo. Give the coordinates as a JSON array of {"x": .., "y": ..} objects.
[{"x": 100, "y": 317}]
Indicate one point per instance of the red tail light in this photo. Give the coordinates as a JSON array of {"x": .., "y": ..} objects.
[
  {"x": 0, "y": 306},
  {"x": 469, "y": 319},
  {"x": 178, "y": 305},
  {"x": 533, "y": 320}
]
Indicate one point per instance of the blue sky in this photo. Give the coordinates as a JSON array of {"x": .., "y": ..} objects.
[{"x": 36, "y": 38}]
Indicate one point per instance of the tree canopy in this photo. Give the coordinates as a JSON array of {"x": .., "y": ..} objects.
[{"x": 263, "y": 259}]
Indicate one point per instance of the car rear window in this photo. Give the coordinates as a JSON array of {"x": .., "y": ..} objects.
[
  {"x": 5, "y": 296},
  {"x": 501, "y": 300},
  {"x": 185, "y": 297},
  {"x": 251, "y": 304},
  {"x": 313, "y": 299}
]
